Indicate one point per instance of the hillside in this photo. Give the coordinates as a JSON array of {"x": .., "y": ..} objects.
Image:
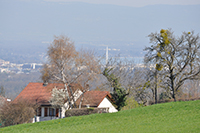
[{"x": 168, "y": 117}]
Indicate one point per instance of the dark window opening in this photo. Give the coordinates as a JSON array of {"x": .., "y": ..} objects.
[
  {"x": 45, "y": 111},
  {"x": 51, "y": 112},
  {"x": 57, "y": 112}
]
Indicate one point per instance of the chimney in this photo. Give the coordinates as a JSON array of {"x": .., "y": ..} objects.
[{"x": 45, "y": 83}]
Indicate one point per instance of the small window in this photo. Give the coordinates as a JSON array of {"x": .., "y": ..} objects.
[{"x": 51, "y": 111}]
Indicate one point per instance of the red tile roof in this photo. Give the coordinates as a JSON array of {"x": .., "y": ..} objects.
[
  {"x": 37, "y": 93},
  {"x": 93, "y": 98}
]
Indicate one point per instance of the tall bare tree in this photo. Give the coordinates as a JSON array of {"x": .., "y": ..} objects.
[
  {"x": 177, "y": 57},
  {"x": 67, "y": 65},
  {"x": 124, "y": 74}
]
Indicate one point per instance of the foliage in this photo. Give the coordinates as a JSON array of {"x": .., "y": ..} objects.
[
  {"x": 58, "y": 98},
  {"x": 168, "y": 117},
  {"x": 177, "y": 58},
  {"x": 163, "y": 96},
  {"x": 130, "y": 103},
  {"x": 119, "y": 94}
]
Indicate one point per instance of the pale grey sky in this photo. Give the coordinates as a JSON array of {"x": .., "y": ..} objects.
[{"x": 135, "y": 3}]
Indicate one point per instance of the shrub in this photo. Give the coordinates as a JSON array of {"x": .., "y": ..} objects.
[
  {"x": 130, "y": 104},
  {"x": 85, "y": 111},
  {"x": 17, "y": 113}
]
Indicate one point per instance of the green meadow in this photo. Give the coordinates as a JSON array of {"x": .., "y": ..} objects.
[{"x": 176, "y": 117}]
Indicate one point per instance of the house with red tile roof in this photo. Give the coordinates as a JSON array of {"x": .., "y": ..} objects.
[
  {"x": 40, "y": 94},
  {"x": 97, "y": 99}
]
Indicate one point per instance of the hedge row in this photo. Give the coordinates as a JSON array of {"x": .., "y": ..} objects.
[{"x": 85, "y": 111}]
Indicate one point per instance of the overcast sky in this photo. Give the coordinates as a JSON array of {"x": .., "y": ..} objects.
[{"x": 135, "y": 3}]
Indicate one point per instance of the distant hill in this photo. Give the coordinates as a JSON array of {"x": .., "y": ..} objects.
[
  {"x": 176, "y": 117},
  {"x": 34, "y": 23}
]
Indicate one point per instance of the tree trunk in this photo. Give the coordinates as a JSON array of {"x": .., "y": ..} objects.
[
  {"x": 156, "y": 88},
  {"x": 70, "y": 105},
  {"x": 73, "y": 99},
  {"x": 173, "y": 95},
  {"x": 81, "y": 101}
]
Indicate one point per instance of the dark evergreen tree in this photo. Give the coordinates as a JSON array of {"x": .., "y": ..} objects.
[{"x": 119, "y": 94}]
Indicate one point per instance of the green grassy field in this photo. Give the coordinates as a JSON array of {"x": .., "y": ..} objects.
[{"x": 182, "y": 117}]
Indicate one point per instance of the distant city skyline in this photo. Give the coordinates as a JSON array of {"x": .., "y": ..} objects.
[{"x": 133, "y": 3}]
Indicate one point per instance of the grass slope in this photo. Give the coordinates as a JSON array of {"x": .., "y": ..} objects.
[{"x": 169, "y": 117}]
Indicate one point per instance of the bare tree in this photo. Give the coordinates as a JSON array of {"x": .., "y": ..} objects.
[
  {"x": 177, "y": 57},
  {"x": 17, "y": 113},
  {"x": 129, "y": 76},
  {"x": 67, "y": 65},
  {"x": 140, "y": 85}
]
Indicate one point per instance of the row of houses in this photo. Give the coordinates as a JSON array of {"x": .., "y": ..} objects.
[{"x": 40, "y": 94}]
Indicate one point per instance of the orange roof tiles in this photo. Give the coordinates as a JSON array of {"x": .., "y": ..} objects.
[
  {"x": 36, "y": 93},
  {"x": 94, "y": 98}
]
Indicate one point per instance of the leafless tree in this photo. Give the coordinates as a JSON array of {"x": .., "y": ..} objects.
[
  {"x": 131, "y": 77},
  {"x": 67, "y": 65},
  {"x": 177, "y": 57},
  {"x": 17, "y": 113}
]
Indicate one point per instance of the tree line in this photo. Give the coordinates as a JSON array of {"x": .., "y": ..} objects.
[{"x": 168, "y": 63}]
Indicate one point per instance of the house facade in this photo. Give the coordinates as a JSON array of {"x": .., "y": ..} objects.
[
  {"x": 97, "y": 99},
  {"x": 40, "y": 95}
]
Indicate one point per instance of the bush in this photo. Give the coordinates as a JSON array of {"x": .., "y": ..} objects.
[
  {"x": 16, "y": 113},
  {"x": 130, "y": 104},
  {"x": 85, "y": 111}
]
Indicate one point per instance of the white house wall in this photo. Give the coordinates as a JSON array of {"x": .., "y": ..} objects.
[
  {"x": 42, "y": 113},
  {"x": 46, "y": 118},
  {"x": 107, "y": 104}
]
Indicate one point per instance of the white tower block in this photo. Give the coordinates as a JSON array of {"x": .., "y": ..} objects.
[
  {"x": 106, "y": 55},
  {"x": 33, "y": 65}
]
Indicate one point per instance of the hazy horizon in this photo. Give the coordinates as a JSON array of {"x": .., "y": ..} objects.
[{"x": 32, "y": 24}]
